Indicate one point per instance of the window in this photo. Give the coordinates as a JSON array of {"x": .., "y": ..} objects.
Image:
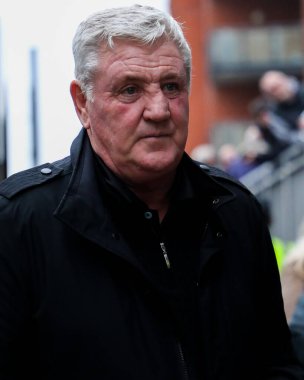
[{"x": 247, "y": 52}]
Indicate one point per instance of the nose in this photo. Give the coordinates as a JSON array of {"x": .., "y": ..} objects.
[{"x": 157, "y": 107}]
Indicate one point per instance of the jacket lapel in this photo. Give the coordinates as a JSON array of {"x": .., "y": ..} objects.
[{"x": 82, "y": 208}]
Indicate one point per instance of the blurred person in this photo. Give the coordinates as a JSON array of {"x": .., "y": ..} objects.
[
  {"x": 296, "y": 325},
  {"x": 300, "y": 121},
  {"x": 273, "y": 129},
  {"x": 249, "y": 158},
  {"x": 281, "y": 247},
  {"x": 246, "y": 156},
  {"x": 127, "y": 259},
  {"x": 285, "y": 94},
  {"x": 292, "y": 279},
  {"x": 234, "y": 163},
  {"x": 204, "y": 153},
  {"x": 292, "y": 276},
  {"x": 227, "y": 154}
]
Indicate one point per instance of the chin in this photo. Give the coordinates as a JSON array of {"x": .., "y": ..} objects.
[{"x": 161, "y": 162}]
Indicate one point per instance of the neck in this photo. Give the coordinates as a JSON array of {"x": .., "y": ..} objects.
[{"x": 155, "y": 195}]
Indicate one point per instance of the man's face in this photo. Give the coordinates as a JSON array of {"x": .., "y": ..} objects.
[
  {"x": 278, "y": 86},
  {"x": 138, "y": 119}
]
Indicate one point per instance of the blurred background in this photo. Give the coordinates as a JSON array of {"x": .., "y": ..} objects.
[
  {"x": 234, "y": 42},
  {"x": 36, "y": 68}
]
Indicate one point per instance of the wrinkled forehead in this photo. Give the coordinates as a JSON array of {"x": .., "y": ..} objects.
[
  {"x": 126, "y": 52},
  {"x": 163, "y": 54},
  {"x": 117, "y": 43}
]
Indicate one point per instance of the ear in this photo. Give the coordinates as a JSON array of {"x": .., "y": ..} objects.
[{"x": 80, "y": 103}]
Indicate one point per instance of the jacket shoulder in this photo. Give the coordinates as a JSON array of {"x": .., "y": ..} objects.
[
  {"x": 33, "y": 177},
  {"x": 221, "y": 175}
]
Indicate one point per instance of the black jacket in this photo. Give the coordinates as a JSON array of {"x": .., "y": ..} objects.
[{"x": 86, "y": 292}]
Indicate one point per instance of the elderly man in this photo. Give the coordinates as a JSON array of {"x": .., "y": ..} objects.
[{"x": 127, "y": 260}]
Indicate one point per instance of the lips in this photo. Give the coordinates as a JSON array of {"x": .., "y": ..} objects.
[{"x": 156, "y": 135}]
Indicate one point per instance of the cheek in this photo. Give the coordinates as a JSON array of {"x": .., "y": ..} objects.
[
  {"x": 180, "y": 112},
  {"x": 125, "y": 115},
  {"x": 118, "y": 130}
]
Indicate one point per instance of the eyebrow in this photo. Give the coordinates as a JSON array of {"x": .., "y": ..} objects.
[
  {"x": 140, "y": 77},
  {"x": 171, "y": 75}
]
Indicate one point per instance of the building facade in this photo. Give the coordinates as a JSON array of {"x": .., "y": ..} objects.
[{"x": 233, "y": 42}]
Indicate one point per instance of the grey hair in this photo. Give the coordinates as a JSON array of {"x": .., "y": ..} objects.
[{"x": 143, "y": 24}]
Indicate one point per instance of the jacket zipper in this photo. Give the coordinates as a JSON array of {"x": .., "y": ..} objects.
[
  {"x": 205, "y": 230},
  {"x": 185, "y": 372},
  {"x": 165, "y": 254}
]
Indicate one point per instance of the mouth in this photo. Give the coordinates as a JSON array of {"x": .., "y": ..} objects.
[{"x": 156, "y": 136}]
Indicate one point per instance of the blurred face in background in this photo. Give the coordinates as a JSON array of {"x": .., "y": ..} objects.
[
  {"x": 301, "y": 122},
  {"x": 277, "y": 86}
]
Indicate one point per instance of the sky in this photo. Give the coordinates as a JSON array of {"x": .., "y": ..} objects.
[{"x": 49, "y": 27}]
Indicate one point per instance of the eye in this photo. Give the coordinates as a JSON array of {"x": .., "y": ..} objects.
[
  {"x": 128, "y": 94},
  {"x": 171, "y": 87},
  {"x": 130, "y": 90}
]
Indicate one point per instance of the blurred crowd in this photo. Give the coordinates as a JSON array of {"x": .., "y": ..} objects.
[{"x": 277, "y": 121}]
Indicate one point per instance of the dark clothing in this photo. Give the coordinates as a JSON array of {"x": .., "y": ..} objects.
[
  {"x": 240, "y": 166},
  {"x": 291, "y": 110},
  {"x": 92, "y": 286},
  {"x": 276, "y": 144}
]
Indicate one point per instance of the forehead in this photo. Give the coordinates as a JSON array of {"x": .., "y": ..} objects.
[
  {"x": 133, "y": 56},
  {"x": 274, "y": 80}
]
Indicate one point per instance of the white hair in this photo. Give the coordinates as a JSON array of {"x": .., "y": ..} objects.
[{"x": 142, "y": 24}]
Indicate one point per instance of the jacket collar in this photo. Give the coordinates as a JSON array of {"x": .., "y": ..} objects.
[
  {"x": 83, "y": 208},
  {"x": 82, "y": 156}
]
